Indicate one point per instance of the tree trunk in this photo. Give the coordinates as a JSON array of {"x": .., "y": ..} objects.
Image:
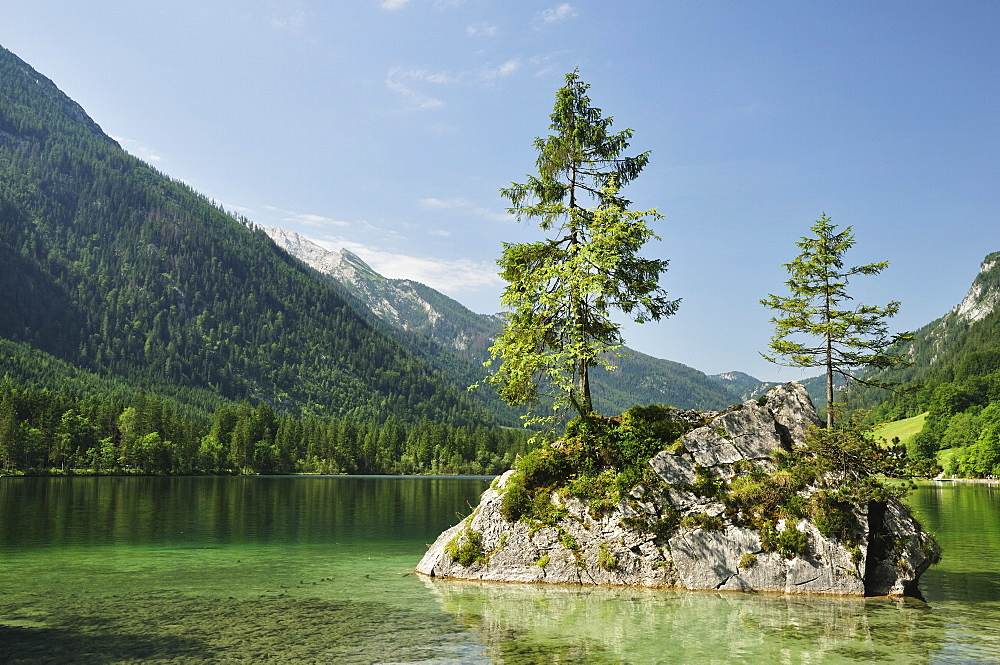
[
  {"x": 829, "y": 396},
  {"x": 584, "y": 402},
  {"x": 829, "y": 358}
]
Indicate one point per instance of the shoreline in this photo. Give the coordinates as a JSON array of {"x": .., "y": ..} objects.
[{"x": 975, "y": 481}]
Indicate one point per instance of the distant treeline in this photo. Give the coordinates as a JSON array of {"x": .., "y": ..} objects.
[
  {"x": 42, "y": 429},
  {"x": 963, "y": 417}
]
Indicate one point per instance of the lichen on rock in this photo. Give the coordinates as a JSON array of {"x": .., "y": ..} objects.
[{"x": 757, "y": 498}]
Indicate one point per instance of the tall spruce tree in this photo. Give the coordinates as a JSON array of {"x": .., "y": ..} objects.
[
  {"x": 848, "y": 339},
  {"x": 561, "y": 290}
]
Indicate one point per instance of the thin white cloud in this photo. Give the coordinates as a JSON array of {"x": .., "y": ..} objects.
[
  {"x": 138, "y": 149},
  {"x": 286, "y": 15},
  {"x": 443, "y": 204},
  {"x": 482, "y": 29},
  {"x": 501, "y": 71},
  {"x": 400, "y": 81},
  {"x": 315, "y": 220},
  {"x": 451, "y": 276},
  {"x": 393, "y": 5},
  {"x": 305, "y": 218},
  {"x": 509, "y": 67},
  {"x": 543, "y": 65},
  {"x": 409, "y": 83},
  {"x": 557, "y": 14},
  {"x": 292, "y": 21},
  {"x": 462, "y": 206},
  {"x": 231, "y": 209},
  {"x": 438, "y": 78}
]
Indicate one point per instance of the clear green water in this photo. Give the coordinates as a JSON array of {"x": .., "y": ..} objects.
[{"x": 319, "y": 570}]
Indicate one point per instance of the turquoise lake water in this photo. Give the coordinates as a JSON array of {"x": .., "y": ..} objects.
[{"x": 320, "y": 570}]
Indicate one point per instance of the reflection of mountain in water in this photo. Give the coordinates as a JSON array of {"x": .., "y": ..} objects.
[{"x": 545, "y": 623}]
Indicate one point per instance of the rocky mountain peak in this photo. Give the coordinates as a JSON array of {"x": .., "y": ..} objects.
[
  {"x": 344, "y": 266},
  {"x": 404, "y": 303},
  {"x": 417, "y": 308},
  {"x": 984, "y": 295}
]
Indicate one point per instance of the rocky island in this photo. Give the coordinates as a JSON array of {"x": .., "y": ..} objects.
[{"x": 751, "y": 499}]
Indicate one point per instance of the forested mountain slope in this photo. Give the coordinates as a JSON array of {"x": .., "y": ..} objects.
[
  {"x": 116, "y": 269},
  {"x": 456, "y": 330},
  {"x": 963, "y": 343},
  {"x": 955, "y": 378}
]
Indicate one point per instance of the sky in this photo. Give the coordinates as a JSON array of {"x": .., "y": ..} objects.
[{"x": 387, "y": 127}]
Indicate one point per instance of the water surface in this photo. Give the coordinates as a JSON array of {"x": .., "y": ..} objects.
[{"x": 319, "y": 570}]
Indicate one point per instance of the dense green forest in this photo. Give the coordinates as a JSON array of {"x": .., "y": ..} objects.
[
  {"x": 963, "y": 418},
  {"x": 122, "y": 288},
  {"x": 119, "y": 271},
  {"x": 41, "y": 429}
]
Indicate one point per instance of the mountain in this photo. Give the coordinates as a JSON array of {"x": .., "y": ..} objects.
[
  {"x": 984, "y": 294},
  {"x": 457, "y": 331},
  {"x": 963, "y": 343},
  {"x": 943, "y": 345},
  {"x": 955, "y": 379},
  {"x": 112, "y": 268},
  {"x": 403, "y": 303},
  {"x": 743, "y": 385}
]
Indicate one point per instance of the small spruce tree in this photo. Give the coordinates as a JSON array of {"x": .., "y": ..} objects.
[{"x": 846, "y": 339}]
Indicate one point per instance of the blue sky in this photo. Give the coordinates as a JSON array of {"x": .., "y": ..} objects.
[{"x": 388, "y": 126}]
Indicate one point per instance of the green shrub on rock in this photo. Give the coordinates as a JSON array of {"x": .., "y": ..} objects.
[
  {"x": 605, "y": 559},
  {"x": 833, "y": 518},
  {"x": 598, "y": 459},
  {"x": 466, "y": 547},
  {"x": 702, "y": 521}
]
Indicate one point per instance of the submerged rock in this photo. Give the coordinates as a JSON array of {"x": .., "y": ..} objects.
[{"x": 672, "y": 532}]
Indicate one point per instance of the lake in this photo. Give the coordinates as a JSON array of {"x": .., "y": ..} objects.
[{"x": 319, "y": 570}]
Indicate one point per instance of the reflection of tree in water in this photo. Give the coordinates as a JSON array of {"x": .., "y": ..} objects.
[{"x": 642, "y": 625}]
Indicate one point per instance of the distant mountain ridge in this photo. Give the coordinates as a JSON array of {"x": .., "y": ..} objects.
[
  {"x": 743, "y": 385},
  {"x": 638, "y": 379},
  {"x": 984, "y": 294},
  {"x": 931, "y": 343},
  {"x": 964, "y": 342},
  {"x": 747, "y": 387},
  {"x": 109, "y": 266},
  {"x": 403, "y": 303}
]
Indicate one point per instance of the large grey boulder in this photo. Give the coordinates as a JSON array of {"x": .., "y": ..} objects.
[{"x": 715, "y": 548}]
